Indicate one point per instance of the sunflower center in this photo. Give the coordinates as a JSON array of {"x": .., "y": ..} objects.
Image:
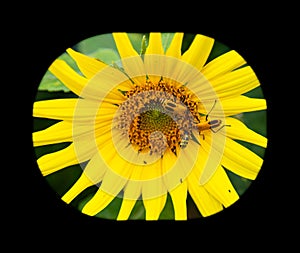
[
  {"x": 157, "y": 117},
  {"x": 153, "y": 131},
  {"x": 155, "y": 120}
]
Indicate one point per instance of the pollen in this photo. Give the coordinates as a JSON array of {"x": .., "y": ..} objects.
[{"x": 155, "y": 117}]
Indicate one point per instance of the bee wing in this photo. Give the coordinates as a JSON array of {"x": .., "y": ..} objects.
[{"x": 193, "y": 138}]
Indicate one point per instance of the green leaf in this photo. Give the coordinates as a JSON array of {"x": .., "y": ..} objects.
[
  {"x": 92, "y": 44},
  {"x": 62, "y": 180},
  {"x": 144, "y": 45},
  {"x": 106, "y": 55},
  {"x": 101, "y": 46},
  {"x": 50, "y": 82},
  {"x": 168, "y": 211},
  {"x": 46, "y": 95},
  {"x": 239, "y": 183},
  {"x": 186, "y": 42},
  {"x": 217, "y": 50},
  {"x": 85, "y": 196},
  {"x": 136, "y": 40},
  {"x": 109, "y": 212},
  {"x": 166, "y": 39},
  {"x": 138, "y": 211},
  {"x": 192, "y": 209},
  {"x": 112, "y": 210},
  {"x": 47, "y": 149}
]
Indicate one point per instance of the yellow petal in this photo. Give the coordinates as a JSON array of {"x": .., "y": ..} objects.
[
  {"x": 155, "y": 44},
  {"x": 124, "y": 45},
  {"x": 133, "y": 188},
  {"x": 175, "y": 46},
  {"x": 80, "y": 185},
  {"x": 126, "y": 208},
  {"x": 131, "y": 61},
  {"x": 211, "y": 151},
  {"x": 221, "y": 188},
  {"x": 61, "y": 109},
  {"x": 68, "y": 76},
  {"x": 99, "y": 201},
  {"x": 179, "y": 195},
  {"x": 69, "y": 109},
  {"x": 92, "y": 174},
  {"x": 222, "y": 64},
  {"x": 154, "y": 206},
  {"x": 153, "y": 183},
  {"x": 132, "y": 192},
  {"x": 118, "y": 170},
  {"x": 235, "y": 83},
  {"x": 113, "y": 183},
  {"x": 204, "y": 201},
  {"x": 240, "y": 104},
  {"x": 173, "y": 173},
  {"x": 241, "y": 160},
  {"x": 198, "y": 51},
  {"x": 57, "y": 133},
  {"x": 239, "y": 131},
  {"x": 58, "y": 160},
  {"x": 154, "y": 60},
  {"x": 88, "y": 66},
  {"x": 154, "y": 192}
]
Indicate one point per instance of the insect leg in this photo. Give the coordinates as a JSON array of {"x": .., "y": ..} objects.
[{"x": 217, "y": 130}]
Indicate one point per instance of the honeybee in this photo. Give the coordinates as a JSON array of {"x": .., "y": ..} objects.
[
  {"x": 214, "y": 125},
  {"x": 173, "y": 107},
  {"x": 184, "y": 140}
]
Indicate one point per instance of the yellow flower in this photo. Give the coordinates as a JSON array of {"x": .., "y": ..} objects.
[{"x": 155, "y": 124}]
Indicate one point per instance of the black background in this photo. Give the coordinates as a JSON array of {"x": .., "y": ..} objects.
[{"x": 34, "y": 214}]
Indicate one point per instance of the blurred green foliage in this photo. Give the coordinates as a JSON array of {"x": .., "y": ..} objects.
[{"x": 104, "y": 48}]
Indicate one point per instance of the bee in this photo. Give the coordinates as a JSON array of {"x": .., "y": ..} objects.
[
  {"x": 172, "y": 107},
  {"x": 184, "y": 140}
]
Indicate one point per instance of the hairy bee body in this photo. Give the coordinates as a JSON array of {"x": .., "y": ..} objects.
[
  {"x": 182, "y": 115},
  {"x": 173, "y": 107},
  {"x": 184, "y": 140}
]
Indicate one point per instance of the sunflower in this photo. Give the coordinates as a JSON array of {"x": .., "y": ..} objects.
[{"x": 158, "y": 126}]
